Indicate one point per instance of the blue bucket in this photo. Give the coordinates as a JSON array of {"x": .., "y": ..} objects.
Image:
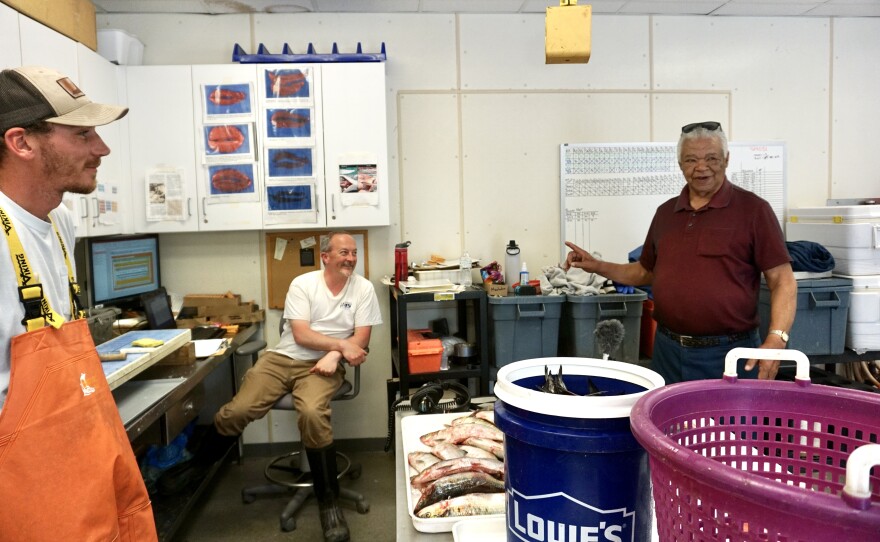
[{"x": 574, "y": 471}]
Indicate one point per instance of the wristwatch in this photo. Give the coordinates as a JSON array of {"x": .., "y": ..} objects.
[{"x": 781, "y": 333}]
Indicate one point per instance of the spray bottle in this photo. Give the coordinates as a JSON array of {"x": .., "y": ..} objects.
[{"x": 524, "y": 275}]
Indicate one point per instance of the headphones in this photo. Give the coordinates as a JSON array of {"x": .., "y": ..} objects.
[{"x": 427, "y": 399}]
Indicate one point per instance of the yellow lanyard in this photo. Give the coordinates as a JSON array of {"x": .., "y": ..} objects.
[{"x": 37, "y": 311}]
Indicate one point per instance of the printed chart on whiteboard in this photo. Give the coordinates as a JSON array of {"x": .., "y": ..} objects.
[{"x": 610, "y": 191}]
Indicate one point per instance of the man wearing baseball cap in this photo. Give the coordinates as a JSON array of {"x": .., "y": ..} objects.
[{"x": 67, "y": 470}]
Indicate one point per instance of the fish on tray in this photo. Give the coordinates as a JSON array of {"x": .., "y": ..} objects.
[
  {"x": 456, "y": 434},
  {"x": 472, "y": 504},
  {"x": 446, "y": 450},
  {"x": 456, "y": 485},
  {"x": 421, "y": 460},
  {"x": 453, "y": 466},
  {"x": 473, "y": 451},
  {"x": 492, "y": 446}
]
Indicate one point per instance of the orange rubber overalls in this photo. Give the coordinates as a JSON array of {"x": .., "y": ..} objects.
[{"x": 67, "y": 470}]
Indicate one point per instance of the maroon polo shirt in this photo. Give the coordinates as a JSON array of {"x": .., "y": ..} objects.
[{"x": 707, "y": 263}]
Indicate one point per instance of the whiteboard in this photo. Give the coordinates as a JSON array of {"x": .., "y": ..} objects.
[{"x": 610, "y": 191}]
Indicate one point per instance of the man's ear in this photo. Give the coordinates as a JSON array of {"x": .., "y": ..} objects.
[{"x": 17, "y": 142}]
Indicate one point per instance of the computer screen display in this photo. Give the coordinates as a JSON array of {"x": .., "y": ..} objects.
[{"x": 122, "y": 268}]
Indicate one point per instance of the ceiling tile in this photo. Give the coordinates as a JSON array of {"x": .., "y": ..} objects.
[
  {"x": 765, "y": 9},
  {"x": 692, "y": 7},
  {"x": 471, "y": 6},
  {"x": 367, "y": 6}
]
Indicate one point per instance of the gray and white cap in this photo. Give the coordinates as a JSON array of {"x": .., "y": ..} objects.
[{"x": 33, "y": 93}]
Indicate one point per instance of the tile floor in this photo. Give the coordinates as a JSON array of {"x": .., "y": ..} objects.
[{"x": 221, "y": 516}]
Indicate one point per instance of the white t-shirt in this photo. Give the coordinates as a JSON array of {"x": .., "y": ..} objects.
[
  {"x": 47, "y": 263},
  {"x": 308, "y": 298}
]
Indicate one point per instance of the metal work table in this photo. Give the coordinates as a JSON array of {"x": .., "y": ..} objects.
[{"x": 153, "y": 404}]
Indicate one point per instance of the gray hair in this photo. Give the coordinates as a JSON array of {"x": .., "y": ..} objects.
[
  {"x": 702, "y": 133},
  {"x": 325, "y": 240}
]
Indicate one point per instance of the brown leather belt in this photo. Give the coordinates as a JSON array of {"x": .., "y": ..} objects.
[{"x": 689, "y": 341}]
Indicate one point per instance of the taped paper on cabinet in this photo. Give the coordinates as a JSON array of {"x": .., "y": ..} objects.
[{"x": 166, "y": 195}]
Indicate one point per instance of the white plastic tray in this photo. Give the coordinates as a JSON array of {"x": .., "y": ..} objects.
[
  {"x": 488, "y": 529},
  {"x": 411, "y": 428}
]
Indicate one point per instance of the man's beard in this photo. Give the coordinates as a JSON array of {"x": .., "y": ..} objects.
[{"x": 62, "y": 170}]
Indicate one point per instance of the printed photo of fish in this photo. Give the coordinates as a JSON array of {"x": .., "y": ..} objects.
[
  {"x": 227, "y": 99},
  {"x": 290, "y": 162},
  {"x": 289, "y": 123},
  {"x": 228, "y": 139},
  {"x": 231, "y": 179},
  {"x": 288, "y": 83},
  {"x": 289, "y": 198}
]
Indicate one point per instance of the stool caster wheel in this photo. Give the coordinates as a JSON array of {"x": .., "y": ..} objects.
[
  {"x": 288, "y": 525},
  {"x": 247, "y": 498},
  {"x": 363, "y": 507},
  {"x": 355, "y": 472}
]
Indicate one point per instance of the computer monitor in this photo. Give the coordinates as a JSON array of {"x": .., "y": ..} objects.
[{"x": 122, "y": 268}]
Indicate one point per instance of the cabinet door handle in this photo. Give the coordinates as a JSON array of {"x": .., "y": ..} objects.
[
  {"x": 97, "y": 212},
  {"x": 84, "y": 207},
  {"x": 189, "y": 212},
  {"x": 205, "y": 209}
]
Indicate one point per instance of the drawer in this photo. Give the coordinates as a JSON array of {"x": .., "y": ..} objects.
[{"x": 182, "y": 412}]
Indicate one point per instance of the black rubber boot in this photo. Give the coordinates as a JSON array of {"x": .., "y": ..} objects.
[
  {"x": 212, "y": 448},
  {"x": 323, "y": 464}
]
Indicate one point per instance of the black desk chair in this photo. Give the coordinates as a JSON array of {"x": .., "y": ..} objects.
[{"x": 290, "y": 472}]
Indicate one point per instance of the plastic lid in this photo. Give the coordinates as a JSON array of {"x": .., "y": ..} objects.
[{"x": 567, "y": 406}]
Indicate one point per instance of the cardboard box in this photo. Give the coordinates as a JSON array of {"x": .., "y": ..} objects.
[
  {"x": 424, "y": 354},
  {"x": 495, "y": 290},
  {"x": 223, "y": 308},
  {"x": 73, "y": 18},
  {"x": 184, "y": 355}
]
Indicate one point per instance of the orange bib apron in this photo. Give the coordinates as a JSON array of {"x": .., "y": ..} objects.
[{"x": 67, "y": 470}]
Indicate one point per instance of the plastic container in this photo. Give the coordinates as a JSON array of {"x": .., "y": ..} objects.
[
  {"x": 511, "y": 264},
  {"x": 863, "y": 320},
  {"x": 523, "y": 275},
  {"x": 761, "y": 460},
  {"x": 464, "y": 267},
  {"x": 425, "y": 355},
  {"x": 523, "y": 327},
  {"x": 821, "y": 318},
  {"x": 120, "y": 47},
  {"x": 581, "y": 313},
  {"x": 572, "y": 463},
  {"x": 848, "y": 232}
]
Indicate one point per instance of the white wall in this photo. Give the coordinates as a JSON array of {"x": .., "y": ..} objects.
[{"x": 475, "y": 120}]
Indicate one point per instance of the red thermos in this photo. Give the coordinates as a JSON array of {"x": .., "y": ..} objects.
[{"x": 401, "y": 263}]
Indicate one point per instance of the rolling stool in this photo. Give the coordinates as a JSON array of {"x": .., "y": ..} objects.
[{"x": 290, "y": 472}]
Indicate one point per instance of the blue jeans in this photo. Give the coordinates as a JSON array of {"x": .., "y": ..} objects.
[{"x": 677, "y": 363}]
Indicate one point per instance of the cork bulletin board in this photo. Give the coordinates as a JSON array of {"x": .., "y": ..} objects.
[{"x": 290, "y": 254}]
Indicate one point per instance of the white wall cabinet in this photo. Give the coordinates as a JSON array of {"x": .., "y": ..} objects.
[
  {"x": 248, "y": 146},
  {"x": 10, "y": 43},
  {"x": 355, "y": 143},
  {"x": 106, "y": 210},
  {"x": 229, "y": 184},
  {"x": 162, "y": 149}
]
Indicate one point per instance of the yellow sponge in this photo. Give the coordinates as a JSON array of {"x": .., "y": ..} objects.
[{"x": 147, "y": 342}]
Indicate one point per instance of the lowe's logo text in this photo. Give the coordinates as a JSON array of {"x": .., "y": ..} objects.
[{"x": 557, "y": 517}]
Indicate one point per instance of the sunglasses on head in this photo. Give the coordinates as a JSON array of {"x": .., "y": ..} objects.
[{"x": 709, "y": 125}]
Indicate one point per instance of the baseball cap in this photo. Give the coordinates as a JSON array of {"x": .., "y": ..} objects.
[{"x": 33, "y": 93}]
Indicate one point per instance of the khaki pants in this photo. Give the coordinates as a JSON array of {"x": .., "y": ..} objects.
[{"x": 269, "y": 379}]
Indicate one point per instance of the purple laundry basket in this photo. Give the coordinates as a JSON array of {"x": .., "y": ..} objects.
[{"x": 762, "y": 460}]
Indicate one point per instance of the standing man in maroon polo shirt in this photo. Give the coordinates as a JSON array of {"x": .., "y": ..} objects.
[{"x": 704, "y": 255}]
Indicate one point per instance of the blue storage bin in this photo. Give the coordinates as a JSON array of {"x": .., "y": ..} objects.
[{"x": 820, "y": 321}]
